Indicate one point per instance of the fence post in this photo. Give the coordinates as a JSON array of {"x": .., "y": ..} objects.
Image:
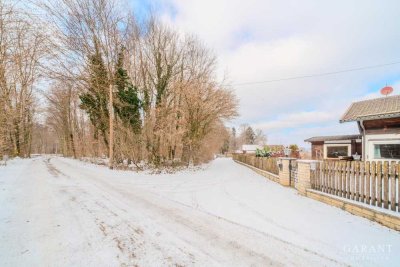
[
  {"x": 304, "y": 168},
  {"x": 284, "y": 171}
]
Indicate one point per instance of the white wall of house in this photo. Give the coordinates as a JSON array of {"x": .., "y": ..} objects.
[{"x": 374, "y": 140}]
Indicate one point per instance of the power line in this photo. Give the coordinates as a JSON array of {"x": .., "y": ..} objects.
[{"x": 319, "y": 74}]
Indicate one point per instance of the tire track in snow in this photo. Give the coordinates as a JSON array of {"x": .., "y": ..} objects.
[
  {"x": 113, "y": 226},
  {"x": 203, "y": 228}
]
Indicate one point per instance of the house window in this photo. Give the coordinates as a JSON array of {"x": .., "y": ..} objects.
[
  {"x": 387, "y": 151},
  {"x": 337, "y": 151}
]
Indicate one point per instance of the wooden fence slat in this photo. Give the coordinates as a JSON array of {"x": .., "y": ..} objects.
[
  {"x": 352, "y": 180},
  {"x": 328, "y": 173},
  {"x": 330, "y": 166},
  {"x": 386, "y": 185},
  {"x": 266, "y": 165},
  {"x": 379, "y": 183},
  {"x": 316, "y": 176},
  {"x": 357, "y": 182},
  {"x": 340, "y": 171},
  {"x": 373, "y": 183},
  {"x": 344, "y": 179},
  {"x": 338, "y": 178},
  {"x": 361, "y": 182},
  {"x": 323, "y": 175},
  {"x": 398, "y": 187},
  {"x": 344, "y": 169},
  {"x": 335, "y": 176},
  {"x": 329, "y": 184},
  {"x": 393, "y": 185},
  {"x": 328, "y": 176},
  {"x": 367, "y": 182},
  {"x": 348, "y": 167},
  {"x": 319, "y": 164}
]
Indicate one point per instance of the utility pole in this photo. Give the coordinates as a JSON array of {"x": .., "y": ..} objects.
[{"x": 111, "y": 141}]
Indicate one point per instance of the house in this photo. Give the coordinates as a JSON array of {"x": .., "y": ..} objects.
[
  {"x": 378, "y": 122},
  {"x": 333, "y": 147},
  {"x": 250, "y": 149}
]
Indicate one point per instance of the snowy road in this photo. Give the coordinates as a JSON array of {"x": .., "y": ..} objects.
[{"x": 60, "y": 212}]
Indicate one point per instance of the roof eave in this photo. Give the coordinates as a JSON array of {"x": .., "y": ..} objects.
[{"x": 373, "y": 117}]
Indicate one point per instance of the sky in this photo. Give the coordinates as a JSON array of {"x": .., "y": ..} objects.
[{"x": 262, "y": 40}]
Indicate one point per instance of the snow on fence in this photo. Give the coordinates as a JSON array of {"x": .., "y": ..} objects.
[
  {"x": 373, "y": 183},
  {"x": 265, "y": 164}
]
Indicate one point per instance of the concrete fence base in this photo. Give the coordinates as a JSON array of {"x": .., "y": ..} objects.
[{"x": 384, "y": 218}]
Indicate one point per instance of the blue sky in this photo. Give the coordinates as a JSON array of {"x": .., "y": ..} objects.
[{"x": 257, "y": 40}]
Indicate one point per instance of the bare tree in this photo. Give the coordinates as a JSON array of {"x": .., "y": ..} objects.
[{"x": 23, "y": 46}]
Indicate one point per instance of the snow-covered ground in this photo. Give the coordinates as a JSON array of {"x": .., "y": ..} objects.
[{"x": 61, "y": 212}]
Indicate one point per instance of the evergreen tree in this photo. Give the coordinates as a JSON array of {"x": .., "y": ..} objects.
[
  {"x": 233, "y": 142},
  {"x": 95, "y": 100},
  {"x": 250, "y": 136},
  {"x": 127, "y": 105}
]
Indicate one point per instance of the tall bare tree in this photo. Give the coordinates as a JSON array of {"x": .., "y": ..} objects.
[{"x": 23, "y": 47}]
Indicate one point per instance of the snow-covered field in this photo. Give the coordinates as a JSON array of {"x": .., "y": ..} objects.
[{"x": 61, "y": 212}]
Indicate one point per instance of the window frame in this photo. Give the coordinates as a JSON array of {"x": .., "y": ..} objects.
[
  {"x": 336, "y": 145},
  {"x": 371, "y": 148}
]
